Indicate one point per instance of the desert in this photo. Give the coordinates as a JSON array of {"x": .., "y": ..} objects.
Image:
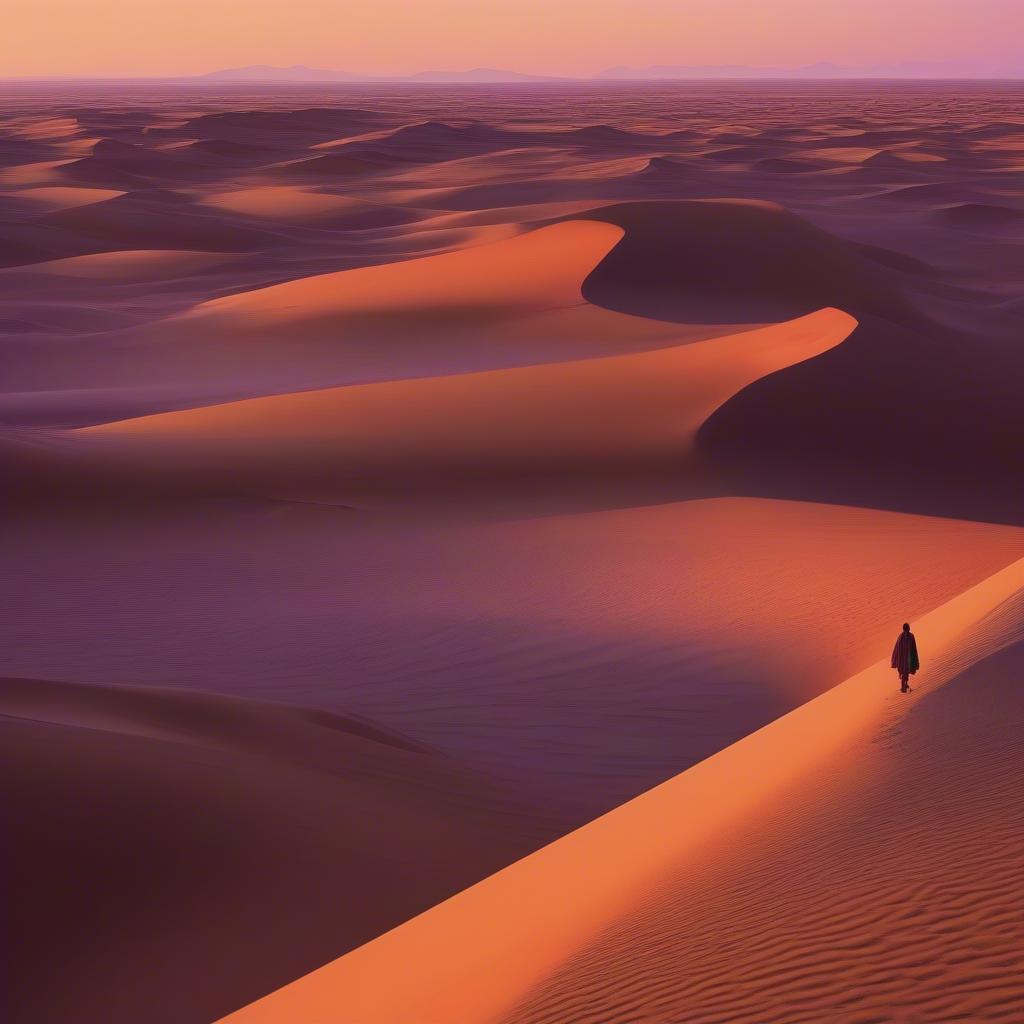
[{"x": 455, "y": 536}]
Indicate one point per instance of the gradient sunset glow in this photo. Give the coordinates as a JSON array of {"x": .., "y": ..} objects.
[{"x": 572, "y": 37}]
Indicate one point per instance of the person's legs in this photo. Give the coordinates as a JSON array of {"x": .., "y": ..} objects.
[{"x": 904, "y": 688}]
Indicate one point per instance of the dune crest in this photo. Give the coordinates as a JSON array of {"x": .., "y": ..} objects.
[
  {"x": 384, "y": 440},
  {"x": 455, "y": 965},
  {"x": 540, "y": 269}
]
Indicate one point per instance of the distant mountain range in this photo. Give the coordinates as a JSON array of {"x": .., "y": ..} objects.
[
  {"x": 300, "y": 73},
  {"x": 822, "y": 71},
  {"x": 660, "y": 72}
]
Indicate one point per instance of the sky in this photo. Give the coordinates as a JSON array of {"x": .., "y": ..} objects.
[{"x": 573, "y": 37}]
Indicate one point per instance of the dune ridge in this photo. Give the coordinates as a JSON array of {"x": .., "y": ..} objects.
[
  {"x": 471, "y": 431},
  {"x": 455, "y": 967}
]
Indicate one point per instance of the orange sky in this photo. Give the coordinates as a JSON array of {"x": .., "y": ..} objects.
[{"x": 159, "y": 37}]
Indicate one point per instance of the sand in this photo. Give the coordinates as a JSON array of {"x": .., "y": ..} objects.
[
  {"x": 127, "y": 267},
  {"x": 143, "y": 815},
  {"x": 473, "y": 431},
  {"x": 399, "y": 480},
  {"x": 843, "y": 846},
  {"x": 65, "y": 197},
  {"x": 686, "y": 624}
]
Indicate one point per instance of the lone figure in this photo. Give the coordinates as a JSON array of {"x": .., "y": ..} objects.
[{"x": 904, "y": 657}]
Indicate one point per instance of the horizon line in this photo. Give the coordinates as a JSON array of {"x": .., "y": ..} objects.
[{"x": 427, "y": 79}]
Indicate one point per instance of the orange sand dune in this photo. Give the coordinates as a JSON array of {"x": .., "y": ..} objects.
[
  {"x": 38, "y": 173},
  {"x": 512, "y": 302},
  {"x": 47, "y": 129},
  {"x": 303, "y": 206},
  {"x": 867, "y": 841},
  {"x": 66, "y": 197},
  {"x": 839, "y": 154},
  {"x": 472, "y": 430},
  {"x": 523, "y": 275},
  {"x": 128, "y": 266},
  {"x": 278, "y": 201}
]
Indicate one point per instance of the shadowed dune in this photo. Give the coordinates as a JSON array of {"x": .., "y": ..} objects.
[
  {"x": 208, "y": 844},
  {"x": 242, "y": 153},
  {"x": 941, "y": 427},
  {"x": 713, "y": 261},
  {"x": 983, "y": 215},
  {"x": 345, "y": 165},
  {"x": 126, "y": 166},
  {"x": 155, "y": 219},
  {"x": 315, "y": 124}
]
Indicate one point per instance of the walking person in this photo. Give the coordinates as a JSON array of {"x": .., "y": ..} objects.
[{"x": 904, "y": 657}]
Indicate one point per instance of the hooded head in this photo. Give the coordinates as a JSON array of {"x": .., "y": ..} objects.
[{"x": 906, "y": 627}]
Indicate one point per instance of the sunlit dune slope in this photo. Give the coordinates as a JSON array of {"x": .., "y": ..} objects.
[
  {"x": 127, "y": 266},
  {"x": 56, "y": 197},
  {"x": 276, "y": 201},
  {"x": 320, "y": 209},
  {"x": 867, "y": 835},
  {"x": 207, "y": 844},
  {"x": 512, "y": 302},
  {"x": 472, "y": 430},
  {"x": 523, "y": 275}
]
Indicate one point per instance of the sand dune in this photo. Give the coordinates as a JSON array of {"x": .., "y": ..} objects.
[
  {"x": 537, "y": 271},
  {"x": 37, "y": 173},
  {"x": 472, "y": 432},
  {"x": 835, "y": 792},
  {"x": 155, "y": 218},
  {"x": 309, "y": 125},
  {"x": 343, "y": 165},
  {"x": 325, "y": 210},
  {"x": 709, "y": 261},
  {"x": 286, "y": 202},
  {"x": 512, "y": 302},
  {"x": 983, "y": 215},
  {"x": 853, "y": 431},
  {"x": 123, "y": 165},
  {"x": 145, "y": 815},
  {"x": 134, "y": 265},
  {"x": 277, "y": 201},
  {"x": 59, "y": 197}
]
